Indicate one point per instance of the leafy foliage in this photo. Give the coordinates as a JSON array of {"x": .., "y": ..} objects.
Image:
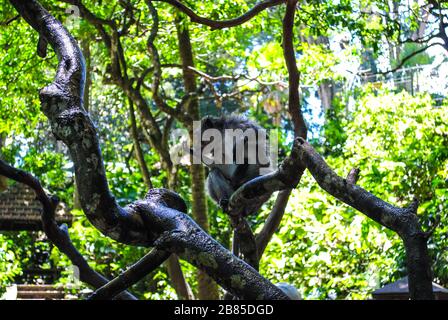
[{"x": 329, "y": 250}]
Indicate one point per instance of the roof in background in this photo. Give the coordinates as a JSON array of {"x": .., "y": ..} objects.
[
  {"x": 20, "y": 210},
  {"x": 401, "y": 286}
]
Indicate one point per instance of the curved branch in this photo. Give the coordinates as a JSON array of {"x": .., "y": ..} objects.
[
  {"x": 287, "y": 176},
  {"x": 62, "y": 104},
  {"x": 272, "y": 222},
  {"x": 408, "y": 57},
  {"x": 214, "y": 24}
]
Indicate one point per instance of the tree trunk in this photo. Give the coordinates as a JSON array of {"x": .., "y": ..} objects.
[
  {"x": 419, "y": 267},
  {"x": 326, "y": 88},
  {"x": 326, "y": 94},
  {"x": 207, "y": 288}
]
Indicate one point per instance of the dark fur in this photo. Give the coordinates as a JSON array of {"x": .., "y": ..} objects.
[{"x": 224, "y": 180}]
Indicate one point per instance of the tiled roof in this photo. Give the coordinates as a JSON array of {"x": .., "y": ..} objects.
[{"x": 19, "y": 209}]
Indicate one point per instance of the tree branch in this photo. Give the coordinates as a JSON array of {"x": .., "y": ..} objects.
[
  {"x": 272, "y": 222},
  {"x": 353, "y": 176},
  {"x": 132, "y": 275},
  {"x": 214, "y": 24},
  {"x": 244, "y": 244},
  {"x": 300, "y": 129},
  {"x": 10, "y": 20},
  {"x": 178, "y": 113},
  {"x": 287, "y": 176},
  {"x": 138, "y": 149},
  {"x": 410, "y": 56}
]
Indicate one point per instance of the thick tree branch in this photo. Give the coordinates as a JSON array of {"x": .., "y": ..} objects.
[
  {"x": 355, "y": 196},
  {"x": 213, "y": 24},
  {"x": 62, "y": 104},
  {"x": 287, "y": 176}
]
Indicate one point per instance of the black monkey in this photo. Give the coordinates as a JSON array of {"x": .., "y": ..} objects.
[{"x": 226, "y": 177}]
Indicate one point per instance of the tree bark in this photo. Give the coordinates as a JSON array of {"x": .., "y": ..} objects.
[{"x": 85, "y": 47}]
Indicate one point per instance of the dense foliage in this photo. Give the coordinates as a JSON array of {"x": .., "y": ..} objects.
[{"x": 339, "y": 253}]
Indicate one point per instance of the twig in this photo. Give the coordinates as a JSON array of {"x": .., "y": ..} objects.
[
  {"x": 408, "y": 57},
  {"x": 10, "y": 20},
  {"x": 353, "y": 176}
]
